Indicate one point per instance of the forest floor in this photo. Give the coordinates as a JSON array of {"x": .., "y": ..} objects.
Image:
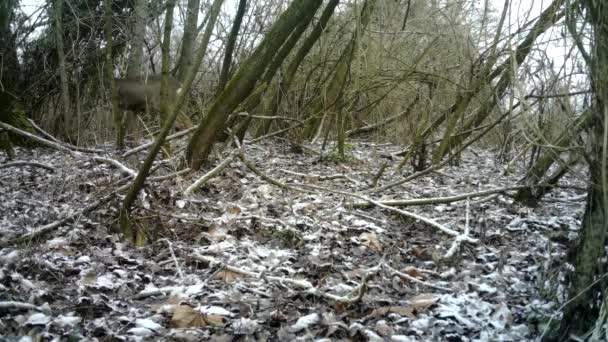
[{"x": 242, "y": 259}]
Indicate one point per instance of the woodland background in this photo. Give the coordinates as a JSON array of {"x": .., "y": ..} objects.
[{"x": 437, "y": 78}]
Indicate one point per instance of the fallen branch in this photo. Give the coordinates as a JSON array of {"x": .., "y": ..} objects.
[
  {"x": 321, "y": 177},
  {"x": 8, "y": 305},
  {"x": 52, "y": 138},
  {"x": 51, "y": 144},
  {"x": 169, "y": 138},
  {"x": 305, "y": 285},
  {"x": 428, "y": 221},
  {"x": 214, "y": 172},
  {"x": 416, "y": 280},
  {"x": 19, "y": 163},
  {"x": 438, "y": 200},
  {"x": 120, "y": 166}
]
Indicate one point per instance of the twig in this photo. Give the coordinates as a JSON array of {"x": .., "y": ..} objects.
[
  {"x": 26, "y": 163},
  {"x": 19, "y": 305},
  {"x": 460, "y": 238},
  {"x": 321, "y": 177},
  {"x": 52, "y": 138},
  {"x": 214, "y": 172},
  {"x": 123, "y": 168},
  {"x": 269, "y": 179},
  {"x": 38, "y": 139},
  {"x": 428, "y": 221},
  {"x": 179, "y": 269},
  {"x": 169, "y": 138},
  {"x": 301, "y": 283},
  {"x": 416, "y": 280},
  {"x": 440, "y": 200}
]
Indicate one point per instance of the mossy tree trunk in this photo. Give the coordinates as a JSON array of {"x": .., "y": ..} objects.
[
  {"x": 189, "y": 38},
  {"x": 144, "y": 170},
  {"x": 450, "y": 141},
  {"x": 10, "y": 111},
  {"x": 230, "y": 44},
  {"x": 68, "y": 123},
  {"x": 165, "y": 101},
  {"x": 290, "y": 73},
  {"x": 530, "y": 196},
  {"x": 244, "y": 81},
  {"x": 337, "y": 83},
  {"x": 583, "y": 307},
  {"x": 253, "y": 101}
]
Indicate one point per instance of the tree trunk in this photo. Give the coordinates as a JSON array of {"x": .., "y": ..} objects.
[
  {"x": 530, "y": 196},
  {"x": 10, "y": 111},
  {"x": 293, "y": 66},
  {"x": 137, "y": 39},
  {"x": 582, "y": 310},
  {"x": 65, "y": 92},
  {"x": 230, "y": 43},
  {"x": 189, "y": 38},
  {"x": 144, "y": 170},
  {"x": 546, "y": 20},
  {"x": 243, "y": 83},
  {"x": 117, "y": 114},
  {"x": 252, "y": 102},
  {"x": 338, "y": 81}
]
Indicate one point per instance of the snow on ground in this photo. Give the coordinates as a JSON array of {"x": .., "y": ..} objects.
[{"x": 244, "y": 258}]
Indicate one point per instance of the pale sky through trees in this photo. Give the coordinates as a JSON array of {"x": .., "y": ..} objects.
[{"x": 520, "y": 12}]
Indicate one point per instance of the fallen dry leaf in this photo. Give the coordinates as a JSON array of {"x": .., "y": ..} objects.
[
  {"x": 227, "y": 276},
  {"x": 185, "y": 316},
  {"x": 400, "y": 310},
  {"x": 413, "y": 271},
  {"x": 423, "y": 301},
  {"x": 370, "y": 240}
]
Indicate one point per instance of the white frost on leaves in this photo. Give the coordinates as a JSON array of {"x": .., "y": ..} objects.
[
  {"x": 83, "y": 260},
  {"x": 140, "y": 331},
  {"x": 305, "y": 322},
  {"x": 215, "y": 310},
  {"x": 148, "y": 324},
  {"x": 245, "y": 326},
  {"x": 372, "y": 336},
  {"x": 57, "y": 242},
  {"x": 38, "y": 318},
  {"x": 402, "y": 338},
  {"x": 106, "y": 281},
  {"x": 10, "y": 256},
  {"x": 66, "y": 321}
]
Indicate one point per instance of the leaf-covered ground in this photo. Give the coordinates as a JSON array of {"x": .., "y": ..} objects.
[{"x": 243, "y": 259}]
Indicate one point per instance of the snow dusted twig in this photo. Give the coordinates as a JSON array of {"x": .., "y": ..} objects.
[
  {"x": 439, "y": 200},
  {"x": 301, "y": 283},
  {"x": 416, "y": 280},
  {"x": 460, "y": 238},
  {"x": 52, "y": 138},
  {"x": 179, "y": 269},
  {"x": 379, "y": 174},
  {"x": 321, "y": 177},
  {"x": 399, "y": 211},
  {"x": 38, "y": 232},
  {"x": 265, "y": 177},
  {"x": 120, "y": 166},
  {"x": 170, "y": 175},
  {"x": 214, "y": 172},
  {"x": 27, "y": 163},
  {"x": 169, "y": 138},
  {"x": 19, "y": 305},
  {"x": 43, "y": 132},
  {"x": 51, "y": 144}
]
